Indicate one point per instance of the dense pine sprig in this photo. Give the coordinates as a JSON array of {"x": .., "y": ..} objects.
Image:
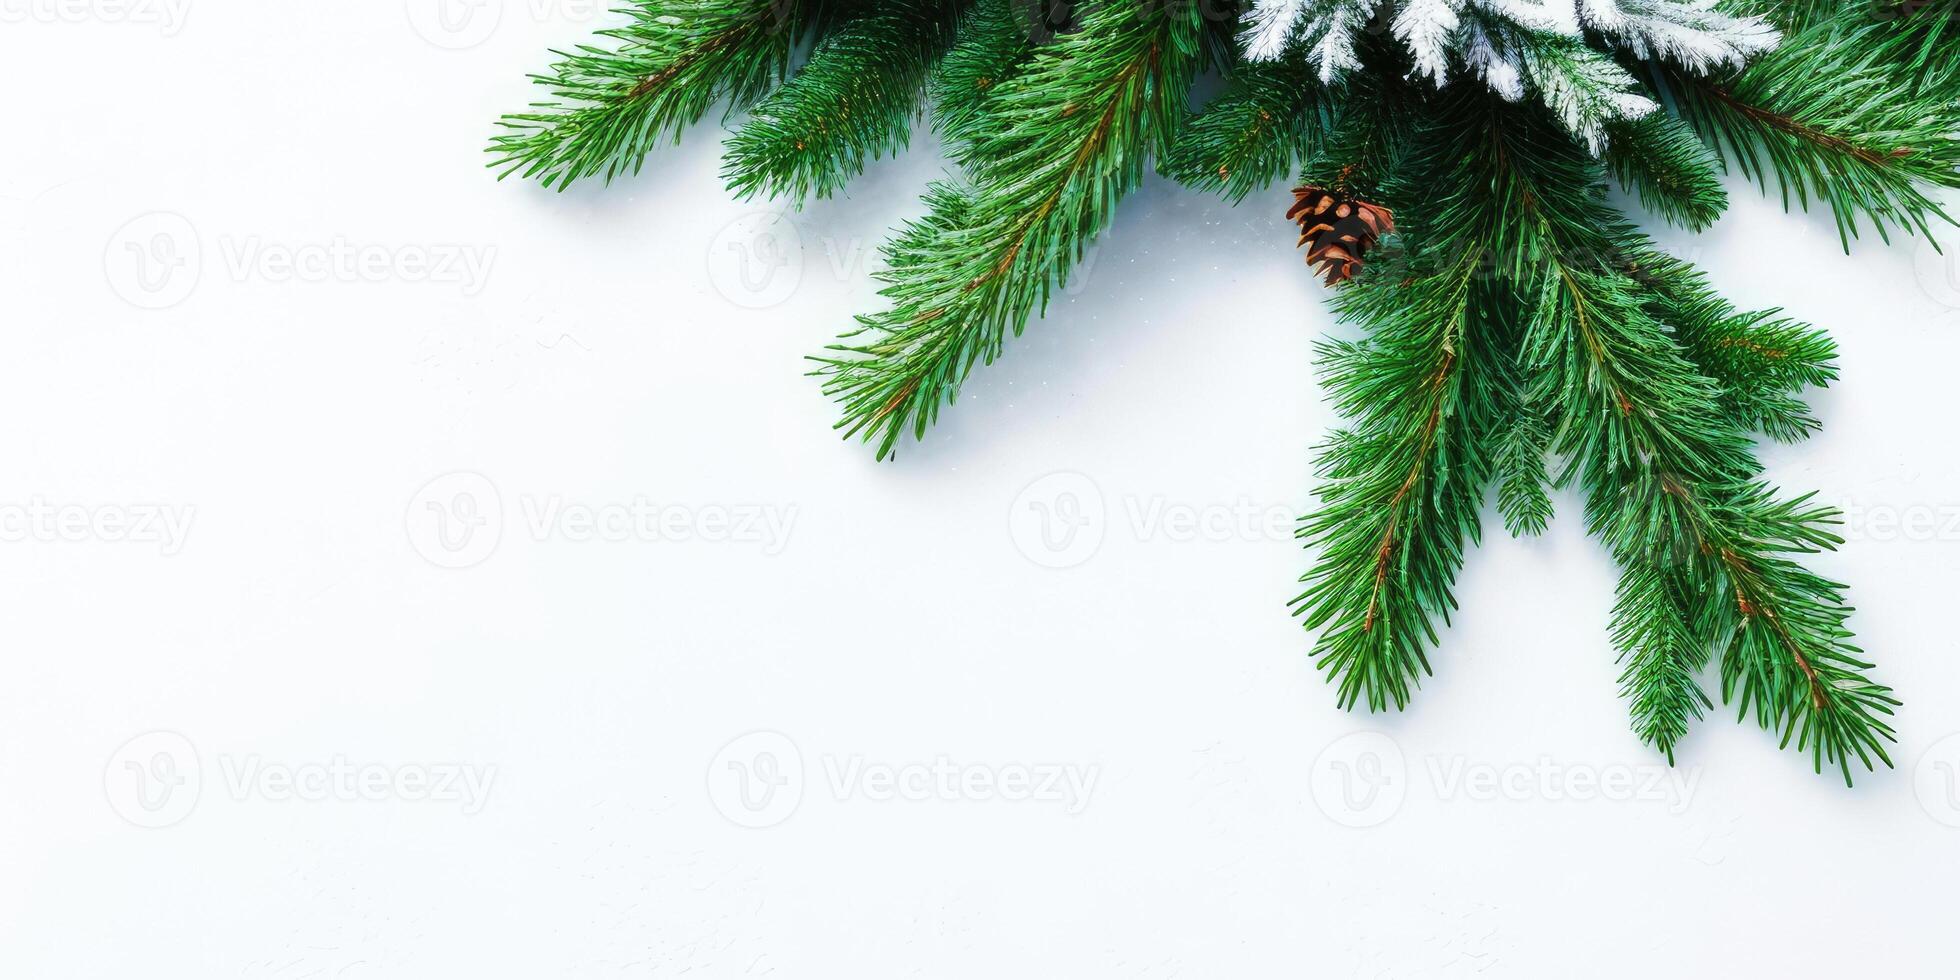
[
  {"x": 1255, "y": 133},
  {"x": 851, "y": 103},
  {"x": 1070, "y": 136},
  {"x": 1519, "y": 334},
  {"x": 992, "y": 45},
  {"x": 1674, "y": 173},
  {"x": 1402, "y": 486},
  {"x": 611, "y": 104},
  {"x": 1855, "y": 112}
]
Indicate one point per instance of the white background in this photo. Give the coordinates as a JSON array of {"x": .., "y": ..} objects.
[{"x": 904, "y": 615}]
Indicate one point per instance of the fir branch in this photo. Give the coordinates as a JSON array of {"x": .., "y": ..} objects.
[
  {"x": 1401, "y": 489},
  {"x": 1585, "y": 88},
  {"x": 1761, "y": 361},
  {"x": 1523, "y": 485},
  {"x": 1067, "y": 139},
  {"x": 1253, "y": 134},
  {"x": 1670, "y": 478},
  {"x": 1662, "y": 652},
  {"x": 852, "y": 102},
  {"x": 991, "y": 46},
  {"x": 1697, "y": 36},
  {"x": 1791, "y": 664},
  {"x": 610, "y": 106},
  {"x": 1667, "y": 482},
  {"x": 1838, "y": 113},
  {"x": 1675, "y": 175},
  {"x": 1365, "y": 139}
]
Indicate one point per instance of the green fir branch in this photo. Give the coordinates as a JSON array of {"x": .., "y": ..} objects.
[
  {"x": 1064, "y": 142},
  {"x": 1674, "y": 174},
  {"x": 1791, "y": 664},
  {"x": 1761, "y": 360},
  {"x": 992, "y": 45},
  {"x": 1272, "y": 114},
  {"x": 609, "y": 106},
  {"x": 1523, "y": 485},
  {"x": 1515, "y": 316},
  {"x": 1401, "y": 488},
  {"x": 1670, "y": 479},
  {"x": 851, "y": 103},
  {"x": 1662, "y": 652},
  {"x": 1859, "y": 114}
]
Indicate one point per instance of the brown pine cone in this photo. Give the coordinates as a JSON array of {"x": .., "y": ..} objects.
[{"x": 1337, "y": 231}]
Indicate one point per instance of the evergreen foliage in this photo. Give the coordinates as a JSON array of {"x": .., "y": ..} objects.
[
  {"x": 611, "y": 104},
  {"x": 1854, "y": 111},
  {"x": 1660, "y": 158},
  {"x": 992, "y": 45},
  {"x": 852, "y": 102},
  {"x": 1518, "y": 333},
  {"x": 1255, "y": 133},
  {"x": 1069, "y": 136}
]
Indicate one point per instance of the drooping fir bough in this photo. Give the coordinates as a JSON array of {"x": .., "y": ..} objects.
[{"x": 1520, "y": 331}]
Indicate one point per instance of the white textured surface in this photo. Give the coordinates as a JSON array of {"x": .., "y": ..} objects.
[{"x": 898, "y": 620}]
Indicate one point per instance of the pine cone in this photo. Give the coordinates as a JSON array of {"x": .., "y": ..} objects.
[{"x": 1338, "y": 232}]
